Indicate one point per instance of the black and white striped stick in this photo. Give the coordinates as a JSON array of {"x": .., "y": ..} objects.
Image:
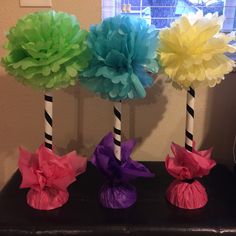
[
  {"x": 48, "y": 119},
  {"x": 117, "y": 130},
  {"x": 189, "y": 119}
]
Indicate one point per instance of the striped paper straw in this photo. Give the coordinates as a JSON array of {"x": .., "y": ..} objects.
[
  {"x": 117, "y": 130},
  {"x": 189, "y": 119},
  {"x": 48, "y": 120}
]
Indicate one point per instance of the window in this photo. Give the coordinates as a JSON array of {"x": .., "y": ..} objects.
[
  {"x": 162, "y": 12},
  {"x": 110, "y": 8}
]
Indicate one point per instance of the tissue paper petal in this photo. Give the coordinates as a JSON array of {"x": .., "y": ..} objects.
[
  {"x": 47, "y": 50},
  {"x": 192, "y": 51},
  {"x": 105, "y": 160},
  {"x": 124, "y": 49},
  {"x": 188, "y": 165},
  {"x": 48, "y": 176}
]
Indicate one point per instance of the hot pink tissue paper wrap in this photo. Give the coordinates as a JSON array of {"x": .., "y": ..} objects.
[
  {"x": 186, "y": 192},
  {"x": 48, "y": 176}
]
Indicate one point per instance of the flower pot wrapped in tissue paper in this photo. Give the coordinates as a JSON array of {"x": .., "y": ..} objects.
[
  {"x": 185, "y": 168},
  {"x": 48, "y": 176}
]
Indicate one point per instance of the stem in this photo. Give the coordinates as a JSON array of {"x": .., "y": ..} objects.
[
  {"x": 189, "y": 119},
  {"x": 48, "y": 99},
  {"x": 117, "y": 130}
]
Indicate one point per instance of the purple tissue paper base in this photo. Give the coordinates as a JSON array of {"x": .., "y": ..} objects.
[
  {"x": 117, "y": 192},
  {"x": 118, "y": 195}
]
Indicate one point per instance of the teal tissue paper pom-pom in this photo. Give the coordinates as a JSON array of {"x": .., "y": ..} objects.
[
  {"x": 124, "y": 50},
  {"x": 47, "y": 50}
]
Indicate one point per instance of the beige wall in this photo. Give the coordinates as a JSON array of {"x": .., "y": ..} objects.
[{"x": 81, "y": 119}]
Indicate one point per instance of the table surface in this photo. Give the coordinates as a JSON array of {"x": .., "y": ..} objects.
[{"x": 151, "y": 215}]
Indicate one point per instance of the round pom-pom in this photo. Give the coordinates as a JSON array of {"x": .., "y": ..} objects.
[
  {"x": 47, "y": 50},
  {"x": 192, "y": 51},
  {"x": 124, "y": 49}
]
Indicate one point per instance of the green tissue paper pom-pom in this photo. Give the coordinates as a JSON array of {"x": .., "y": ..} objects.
[{"x": 47, "y": 50}]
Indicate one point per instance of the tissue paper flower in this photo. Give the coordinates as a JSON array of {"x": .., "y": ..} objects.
[
  {"x": 185, "y": 166},
  {"x": 124, "y": 49},
  {"x": 188, "y": 165},
  {"x": 47, "y": 50},
  {"x": 192, "y": 51},
  {"x": 48, "y": 176},
  {"x": 117, "y": 192}
]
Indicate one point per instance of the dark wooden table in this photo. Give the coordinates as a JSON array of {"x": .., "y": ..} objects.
[{"x": 151, "y": 215}]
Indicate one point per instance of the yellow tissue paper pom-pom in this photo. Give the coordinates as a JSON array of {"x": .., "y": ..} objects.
[{"x": 192, "y": 51}]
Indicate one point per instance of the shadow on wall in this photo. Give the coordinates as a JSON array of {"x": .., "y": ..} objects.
[
  {"x": 221, "y": 117},
  {"x": 145, "y": 114},
  {"x": 95, "y": 118},
  {"x": 20, "y": 122}
]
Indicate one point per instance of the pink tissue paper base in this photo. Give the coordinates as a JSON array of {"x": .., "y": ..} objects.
[
  {"x": 48, "y": 176},
  {"x": 185, "y": 165},
  {"x": 187, "y": 196},
  {"x": 48, "y": 199}
]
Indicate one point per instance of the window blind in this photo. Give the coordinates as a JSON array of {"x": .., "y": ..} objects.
[
  {"x": 162, "y": 12},
  {"x": 110, "y": 8}
]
